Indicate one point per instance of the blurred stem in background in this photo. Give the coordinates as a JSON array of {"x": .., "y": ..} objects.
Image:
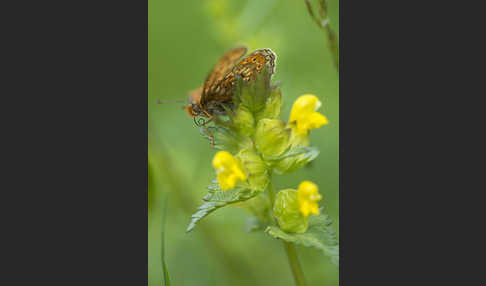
[
  {"x": 323, "y": 22},
  {"x": 289, "y": 247},
  {"x": 181, "y": 195},
  {"x": 162, "y": 240}
]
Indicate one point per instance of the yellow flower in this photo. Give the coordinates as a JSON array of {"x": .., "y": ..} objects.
[
  {"x": 228, "y": 170},
  {"x": 307, "y": 196},
  {"x": 303, "y": 115}
]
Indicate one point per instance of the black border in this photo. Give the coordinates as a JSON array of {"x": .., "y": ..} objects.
[{"x": 77, "y": 176}]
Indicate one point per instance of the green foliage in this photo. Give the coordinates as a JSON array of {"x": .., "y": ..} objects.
[
  {"x": 227, "y": 138},
  {"x": 216, "y": 199},
  {"x": 319, "y": 235},
  {"x": 293, "y": 159}
]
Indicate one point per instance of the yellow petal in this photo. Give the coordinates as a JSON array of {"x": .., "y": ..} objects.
[
  {"x": 305, "y": 104},
  {"x": 228, "y": 170},
  {"x": 223, "y": 159},
  {"x": 307, "y": 196},
  {"x": 224, "y": 182},
  {"x": 303, "y": 115}
]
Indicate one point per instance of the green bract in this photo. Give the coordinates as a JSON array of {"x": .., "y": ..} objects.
[
  {"x": 286, "y": 211},
  {"x": 243, "y": 121},
  {"x": 256, "y": 169},
  {"x": 272, "y": 106},
  {"x": 271, "y": 137}
]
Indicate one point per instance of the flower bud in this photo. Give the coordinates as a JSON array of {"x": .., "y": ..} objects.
[{"x": 286, "y": 211}]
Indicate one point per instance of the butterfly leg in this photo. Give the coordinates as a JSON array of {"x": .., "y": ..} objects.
[
  {"x": 210, "y": 136},
  {"x": 207, "y": 130}
]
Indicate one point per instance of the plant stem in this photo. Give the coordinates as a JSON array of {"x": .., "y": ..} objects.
[
  {"x": 289, "y": 247},
  {"x": 294, "y": 263},
  {"x": 322, "y": 23}
]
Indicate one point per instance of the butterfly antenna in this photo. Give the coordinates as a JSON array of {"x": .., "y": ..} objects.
[{"x": 170, "y": 101}]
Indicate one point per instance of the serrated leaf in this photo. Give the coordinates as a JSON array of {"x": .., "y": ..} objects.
[
  {"x": 319, "y": 235},
  {"x": 225, "y": 138},
  {"x": 295, "y": 159},
  {"x": 218, "y": 199},
  {"x": 291, "y": 152}
]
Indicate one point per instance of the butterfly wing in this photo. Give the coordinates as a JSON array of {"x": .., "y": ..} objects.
[
  {"x": 246, "y": 68},
  {"x": 251, "y": 65},
  {"x": 222, "y": 68}
]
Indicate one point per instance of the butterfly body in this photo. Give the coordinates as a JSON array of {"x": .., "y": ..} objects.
[{"x": 217, "y": 92}]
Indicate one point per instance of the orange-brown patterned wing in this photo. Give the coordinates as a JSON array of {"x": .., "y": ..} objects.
[
  {"x": 247, "y": 68},
  {"x": 222, "y": 67}
]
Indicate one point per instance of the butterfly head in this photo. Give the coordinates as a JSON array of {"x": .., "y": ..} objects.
[
  {"x": 193, "y": 110},
  {"x": 193, "y": 107}
]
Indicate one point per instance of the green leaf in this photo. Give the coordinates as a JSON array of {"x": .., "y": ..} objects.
[
  {"x": 217, "y": 199},
  {"x": 319, "y": 235},
  {"x": 291, "y": 152},
  {"x": 225, "y": 138},
  {"x": 292, "y": 159}
]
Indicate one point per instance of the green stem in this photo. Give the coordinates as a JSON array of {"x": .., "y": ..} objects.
[
  {"x": 289, "y": 247},
  {"x": 321, "y": 22},
  {"x": 294, "y": 263}
]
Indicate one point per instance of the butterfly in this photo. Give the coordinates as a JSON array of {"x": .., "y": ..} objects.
[{"x": 217, "y": 91}]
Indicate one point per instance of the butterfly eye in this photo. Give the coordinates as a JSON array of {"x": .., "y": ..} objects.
[{"x": 254, "y": 60}]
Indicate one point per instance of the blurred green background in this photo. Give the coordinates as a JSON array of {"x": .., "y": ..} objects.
[{"x": 185, "y": 39}]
